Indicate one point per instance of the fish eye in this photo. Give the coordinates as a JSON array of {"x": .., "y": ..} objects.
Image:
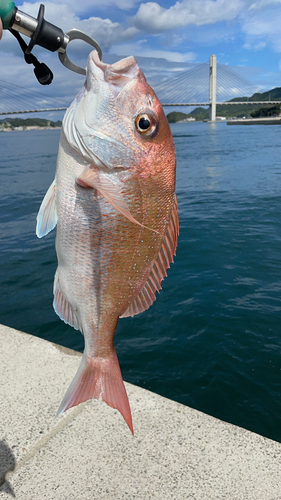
[{"x": 145, "y": 124}]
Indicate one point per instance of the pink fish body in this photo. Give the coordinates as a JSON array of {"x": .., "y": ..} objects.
[{"x": 113, "y": 200}]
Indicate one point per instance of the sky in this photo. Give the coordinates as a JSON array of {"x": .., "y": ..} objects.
[{"x": 166, "y": 38}]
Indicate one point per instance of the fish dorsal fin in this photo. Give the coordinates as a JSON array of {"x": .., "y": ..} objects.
[
  {"x": 63, "y": 308},
  {"x": 47, "y": 216},
  {"x": 146, "y": 297},
  {"x": 109, "y": 191}
]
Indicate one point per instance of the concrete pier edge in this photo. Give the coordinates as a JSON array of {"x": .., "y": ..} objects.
[{"x": 89, "y": 453}]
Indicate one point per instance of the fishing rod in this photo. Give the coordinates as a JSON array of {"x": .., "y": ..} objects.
[{"x": 44, "y": 34}]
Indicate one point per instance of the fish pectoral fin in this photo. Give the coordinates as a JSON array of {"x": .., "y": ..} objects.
[
  {"x": 109, "y": 191},
  {"x": 99, "y": 378},
  {"x": 147, "y": 295},
  {"x": 63, "y": 308},
  {"x": 47, "y": 215}
]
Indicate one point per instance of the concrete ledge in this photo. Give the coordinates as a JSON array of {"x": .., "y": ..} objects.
[{"x": 89, "y": 453}]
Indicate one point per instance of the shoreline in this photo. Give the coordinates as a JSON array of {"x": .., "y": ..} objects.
[
  {"x": 23, "y": 129},
  {"x": 274, "y": 120}
]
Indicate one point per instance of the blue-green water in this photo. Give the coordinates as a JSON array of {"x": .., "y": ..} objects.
[{"x": 212, "y": 340}]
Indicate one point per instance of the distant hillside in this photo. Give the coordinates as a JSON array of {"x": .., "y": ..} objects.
[
  {"x": 269, "y": 95},
  {"x": 176, "y": 116},
  {"x": 266, "y": 111},
  {"x": 31, "y": 122},
  {"x": 201, "y": 114}
]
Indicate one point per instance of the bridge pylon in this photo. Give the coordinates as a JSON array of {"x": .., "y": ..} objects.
[{"x": 213, "y": 88}]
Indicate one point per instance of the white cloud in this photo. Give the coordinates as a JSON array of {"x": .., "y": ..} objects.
[
  {"x": 104, "y": 31},
  {"x": 262, "y": 28},
  {"x": 263, "y": 3},
  {"x": 138, "y": 49},
  {"x": 59, "y": 14},
  {"x": 153, "y": 18},
  {"x": 262, "y": 25},
  {"x": 254, "y": 46},
  {"x": 84, "y": 6}
]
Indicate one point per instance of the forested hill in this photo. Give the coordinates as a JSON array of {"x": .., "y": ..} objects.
[
  {"x": 231, "y": 111},
  {"x": 269, "y": 95},
  {"x": 30, "y": 122}
]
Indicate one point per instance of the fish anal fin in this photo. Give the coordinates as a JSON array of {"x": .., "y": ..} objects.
[
  {"x": 147, "y": 295},
  {"x": 62, "y": 306},
  {"x": 47, "y": 215},
  {"x": 99, "y": 378}
]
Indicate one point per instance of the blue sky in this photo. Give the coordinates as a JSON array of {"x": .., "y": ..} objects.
[{"x": 244, "y": 34}]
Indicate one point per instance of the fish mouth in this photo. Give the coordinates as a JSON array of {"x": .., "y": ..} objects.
[{"x": 118, "y": 73}]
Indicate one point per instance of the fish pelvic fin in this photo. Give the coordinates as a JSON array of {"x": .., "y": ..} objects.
[
  {"x": 98, "y": 378},
  {"x": 147, "y": 295},
  {"x": 47, "y": 216}
]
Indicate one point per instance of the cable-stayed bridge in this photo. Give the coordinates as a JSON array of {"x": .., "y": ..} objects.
[
  {"x": 198, "y": 85},
  {"x": 15, "y": 99},
  {"x": 208, "y": 84}
]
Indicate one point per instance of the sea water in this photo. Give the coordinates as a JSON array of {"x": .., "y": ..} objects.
[{"x": 212, "y": 339}]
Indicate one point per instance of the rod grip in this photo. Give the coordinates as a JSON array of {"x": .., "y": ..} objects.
[{"x": 7, "y": 12}]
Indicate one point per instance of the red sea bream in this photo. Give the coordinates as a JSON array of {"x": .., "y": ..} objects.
[{"x": 113, "y": 201}]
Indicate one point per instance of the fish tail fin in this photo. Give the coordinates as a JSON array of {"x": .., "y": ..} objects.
[{"x": 99, "y": 378}]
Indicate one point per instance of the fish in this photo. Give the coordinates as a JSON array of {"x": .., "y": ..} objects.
[{"x": 114, "y": 205}]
